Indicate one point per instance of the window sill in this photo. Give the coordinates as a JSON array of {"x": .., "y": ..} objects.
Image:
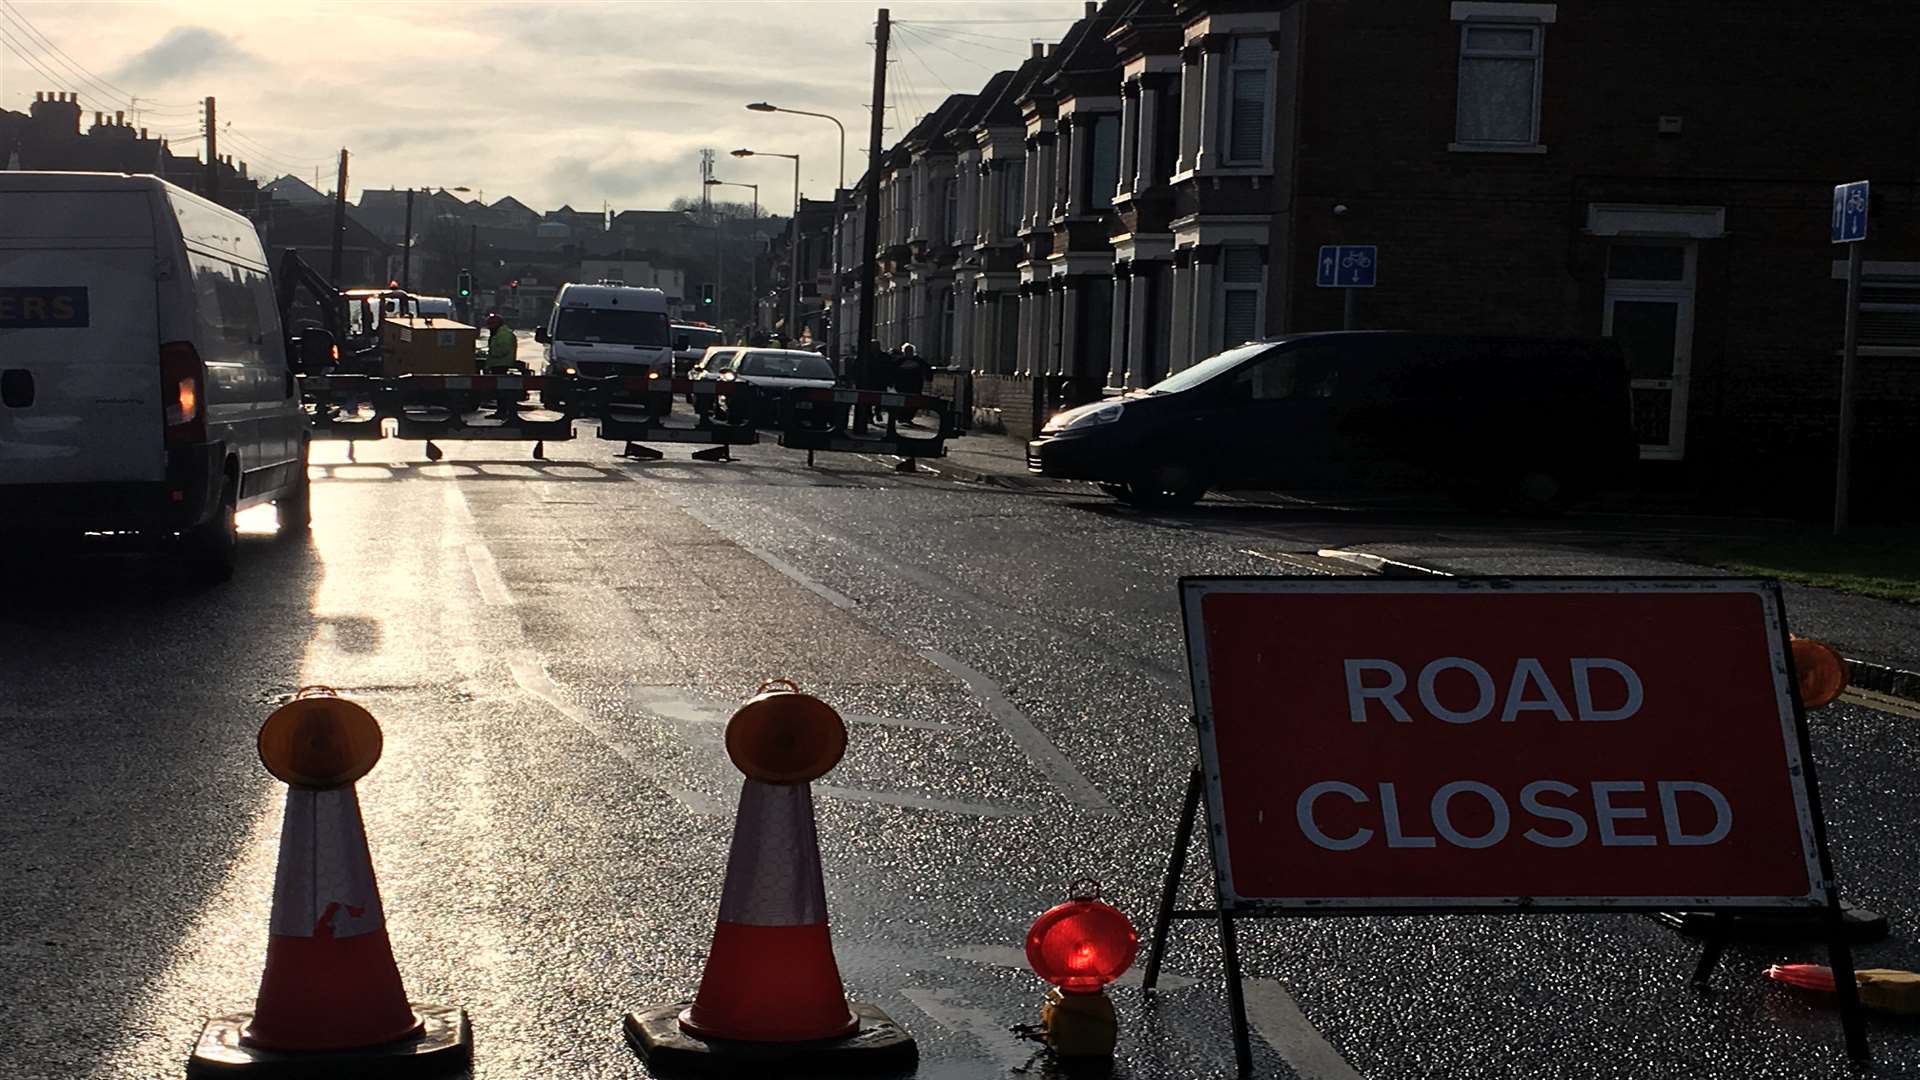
[
  {"x": 1492, "y": 148},
  {"x": 1219, "y": 171}
]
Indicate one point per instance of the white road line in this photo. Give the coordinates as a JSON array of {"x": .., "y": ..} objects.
[
  {"x": 831, "y": 596},
  {"x": 1271, "y": 1012},
  {"x": 532, "y": 678},
  {"x": 919, "y": 802},
  {"x": 988, "y": 1030},
  {"x": 1885, "y": 703},
  {"x": 1046, "y": 756},
  {"x": 486, "y": 575}
]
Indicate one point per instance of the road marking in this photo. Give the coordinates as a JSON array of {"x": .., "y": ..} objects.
[
  {"x": 919, "y": 802},
  {"x": 1272, "y": 1012},
  {"x": 533, "y": 680},
  {"x": 985, "y": 1028},
  {"x": 486, "y": 575},
  {"x": 831, "y": 596},
  {"x": 1885, "y": 703},
  {"x": 1046, "y": 756}
]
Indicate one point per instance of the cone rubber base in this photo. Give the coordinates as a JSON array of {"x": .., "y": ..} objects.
[
  {"x": 878, "y": 1045},
  {"x": 445, "y": 1044}
]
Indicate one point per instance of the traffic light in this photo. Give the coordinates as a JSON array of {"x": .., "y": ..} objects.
[
  {"x": 706, "y": 295},
  {"x": 466, "y": 283},
  {"x": 514, "y": 284}
]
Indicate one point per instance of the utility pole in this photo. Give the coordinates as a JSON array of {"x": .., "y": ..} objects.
[
  {"x": 870, "y": 213},
  {"x": 406, "y": 246},
  {"x": 339, "y": 212},
  {"x": 213, "y": 155}
]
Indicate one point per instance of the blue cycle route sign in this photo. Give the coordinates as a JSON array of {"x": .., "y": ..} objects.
[
  {"x": 1347, "y": 266},
  {"x": 1849, "y": 212}
]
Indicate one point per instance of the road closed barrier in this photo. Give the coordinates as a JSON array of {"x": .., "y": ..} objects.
[
  {"x": 638, "y": 411},
  {"x": 1500, "y": 745},
  {"x": 816, "y": 420}
]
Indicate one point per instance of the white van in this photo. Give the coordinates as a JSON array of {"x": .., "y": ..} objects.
[
  {"x": 602, "y": 330},
  {"x": 144, "y": 384}
]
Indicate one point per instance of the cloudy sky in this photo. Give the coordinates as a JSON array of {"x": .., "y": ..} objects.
[{"x": 556, "y": 102}]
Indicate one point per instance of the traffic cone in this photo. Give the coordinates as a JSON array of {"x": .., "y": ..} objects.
[
  {"x": 770, "y": 974},
  {"x": 330, "y": 997},
  {"x": 330, "y": 979},
  {"x": 771, "y": 993}
]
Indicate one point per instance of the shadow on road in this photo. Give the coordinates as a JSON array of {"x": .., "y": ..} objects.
[{"x": 129, "y": 702}]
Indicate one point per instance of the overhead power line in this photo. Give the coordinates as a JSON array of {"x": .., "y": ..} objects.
[{"x": 13, "y": 12}]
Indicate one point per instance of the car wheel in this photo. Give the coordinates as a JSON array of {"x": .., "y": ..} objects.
[
  {"x": 212, "y": 547},
  {"x": 1167, "y": 486},
  {"x": 296, "y": 508}
]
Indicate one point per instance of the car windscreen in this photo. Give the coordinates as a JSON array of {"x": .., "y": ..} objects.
[
  {"x": 688, "y": 339},
  {"x": 786, "y": 366},
  {"x": 612, "y": 326},
  {"x": 1207, "y": 369}
]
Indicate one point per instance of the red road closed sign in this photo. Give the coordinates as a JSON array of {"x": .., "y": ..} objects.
[{"x": 1501, "y": 744}]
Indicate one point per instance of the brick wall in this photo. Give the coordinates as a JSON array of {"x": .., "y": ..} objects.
[{"x": 1778, "y": 103}]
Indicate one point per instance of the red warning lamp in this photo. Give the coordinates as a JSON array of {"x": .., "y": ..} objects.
[
  {"x": 1820, "y": 670},
  {"x": 1083, "y": 944},
  {"x": 1080, "y": 946}
]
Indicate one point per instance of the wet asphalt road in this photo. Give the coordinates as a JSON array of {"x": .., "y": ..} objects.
[{"x": 552, "y": 648}]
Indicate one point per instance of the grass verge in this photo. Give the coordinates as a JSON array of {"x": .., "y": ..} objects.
[{"x": 1883, "y": 562}]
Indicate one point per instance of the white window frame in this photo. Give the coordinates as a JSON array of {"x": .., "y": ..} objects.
[
  {"x": 1534, "y": 17},
  {"x": 1223, "y": 287},
  {"x": 1680, "y": 293},
  {"x": 1225, "y": 89}
]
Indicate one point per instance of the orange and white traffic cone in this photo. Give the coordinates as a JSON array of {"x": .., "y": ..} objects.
[
  {"x": 771, "y": 993},
  {"x": 331, "y": 995}
]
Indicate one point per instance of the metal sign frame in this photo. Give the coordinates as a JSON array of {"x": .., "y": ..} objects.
[{"x": 1822, "y": 904}]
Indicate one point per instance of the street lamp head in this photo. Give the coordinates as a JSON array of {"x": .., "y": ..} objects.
[
  {"x": 761, "y": 106},
  {"x": 742, "y": 153}
]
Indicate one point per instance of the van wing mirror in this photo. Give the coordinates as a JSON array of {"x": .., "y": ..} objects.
[
  {"x": 317, "y": 350},
  {"x": 540, "y": 335}
]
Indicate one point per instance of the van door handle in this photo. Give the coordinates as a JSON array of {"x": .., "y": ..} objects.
[{"x": 16, "y": 387}]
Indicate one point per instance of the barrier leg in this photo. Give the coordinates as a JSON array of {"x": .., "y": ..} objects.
[
  {"x": 433, "y": 452},
  {"x": 713, "y": 453},
  {"x": 540, "y": 450},
  {"x": 641, "y": 453},
  {"x": 906, "y": 465}
]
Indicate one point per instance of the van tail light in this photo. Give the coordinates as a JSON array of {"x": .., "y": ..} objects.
[{"x": 183, "y": 394}]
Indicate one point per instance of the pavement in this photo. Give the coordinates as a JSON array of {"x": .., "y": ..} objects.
[{"x": 552, "y": 648}]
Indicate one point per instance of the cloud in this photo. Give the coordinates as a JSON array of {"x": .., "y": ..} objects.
[{"x": 181, "y": 51}]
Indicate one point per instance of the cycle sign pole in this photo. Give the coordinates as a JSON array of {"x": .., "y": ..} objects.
[
  {"x": 1849, "y": 228},
  {"x": 1348, "y": 267}
]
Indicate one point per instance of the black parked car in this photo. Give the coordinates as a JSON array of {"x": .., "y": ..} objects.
[{"x": 1486, "y": 419}]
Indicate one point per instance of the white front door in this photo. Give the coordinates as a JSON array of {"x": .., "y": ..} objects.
[{"x": 1649, "y": 312}]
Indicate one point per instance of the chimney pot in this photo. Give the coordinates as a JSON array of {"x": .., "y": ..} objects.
[
  {"x": 1092, "y": 6},
  {"x": 97, "y": 119},
  {"x": 119, "y": 118},
  {"x": 36, "y": 95},
  {"x": 1039, "y": 49}
]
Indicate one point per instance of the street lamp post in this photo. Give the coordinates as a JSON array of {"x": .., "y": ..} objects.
[
  {"x": 753, "y": 265},
  {"x": 793, "y": 245},
  {"x": 761, "y": 106}
]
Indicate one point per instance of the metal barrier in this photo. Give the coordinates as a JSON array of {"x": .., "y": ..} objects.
[
  {"x": 814, "y": 420},
  {"x": 652, "y": 399},
  {"x": 433, "y": 407}
]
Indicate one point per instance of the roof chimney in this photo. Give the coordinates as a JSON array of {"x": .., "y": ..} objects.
[
  {"x": 1092, "y": 7},
  {"x": 119, "y": 119},
  {"x": 98, "y": 119},
  {"x": 1039, "y": 50}
]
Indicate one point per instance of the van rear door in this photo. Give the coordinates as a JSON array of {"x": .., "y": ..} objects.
[{"x": 79, "y": 339}]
